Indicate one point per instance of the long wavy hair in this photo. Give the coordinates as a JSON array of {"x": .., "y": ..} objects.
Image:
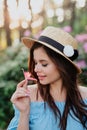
[{"x": 69, "y": 76}]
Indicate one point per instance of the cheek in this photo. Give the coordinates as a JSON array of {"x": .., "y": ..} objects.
[
  {"x": 53, "y": 69},
  {"x": 52, "y": 72},
  {"x": 54, "y": 77}
]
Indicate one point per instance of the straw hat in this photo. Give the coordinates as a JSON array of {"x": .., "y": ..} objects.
[{"x": 59, "y": 41}]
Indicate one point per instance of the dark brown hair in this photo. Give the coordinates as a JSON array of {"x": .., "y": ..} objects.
[{"x": 69, "y": 75}]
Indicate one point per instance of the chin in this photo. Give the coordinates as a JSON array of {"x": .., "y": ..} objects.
[{"x": 44, "y": 83}]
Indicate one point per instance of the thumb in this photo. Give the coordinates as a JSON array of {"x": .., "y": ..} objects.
[{"x": 22, "y": 84}]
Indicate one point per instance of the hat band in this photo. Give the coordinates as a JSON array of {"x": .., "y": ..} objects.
[{"x": 58, "y": 46}]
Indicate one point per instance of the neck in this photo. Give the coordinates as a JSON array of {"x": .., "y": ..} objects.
[{"x": 57, "y": 91}]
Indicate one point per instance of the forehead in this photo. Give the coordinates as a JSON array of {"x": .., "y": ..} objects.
[{"x": 40, "y": 53}]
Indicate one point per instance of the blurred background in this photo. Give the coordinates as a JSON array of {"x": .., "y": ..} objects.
[{"x": 20, "y": 18}]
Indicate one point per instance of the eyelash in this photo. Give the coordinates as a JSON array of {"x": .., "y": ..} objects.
[{"x": 44, "y": 65}]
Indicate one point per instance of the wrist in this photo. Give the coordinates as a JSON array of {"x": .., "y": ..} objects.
[
  {"x": 23, "y": 121},
  {"x": 24, "y": 114}
]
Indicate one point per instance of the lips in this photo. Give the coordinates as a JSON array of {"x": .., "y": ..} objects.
[{"x": 41, "y": 77}]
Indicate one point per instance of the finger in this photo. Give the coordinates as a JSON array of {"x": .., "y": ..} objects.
[
  {"x": 25, "y": 84},
  {"x": 21, "y": 95},
  {"x": 18, "y": 95},
  {"x": 22, "y": 90},
  {"x": 21, "y": 84}
]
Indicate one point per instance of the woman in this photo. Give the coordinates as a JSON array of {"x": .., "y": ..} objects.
[{"x": 56, "y": 102}]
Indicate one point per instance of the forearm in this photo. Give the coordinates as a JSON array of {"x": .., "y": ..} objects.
[{"x": 23, "y": 122}]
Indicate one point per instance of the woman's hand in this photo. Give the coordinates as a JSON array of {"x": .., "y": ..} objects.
[{"x": 21, "y": 97}]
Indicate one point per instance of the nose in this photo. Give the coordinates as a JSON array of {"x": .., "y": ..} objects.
[{"x": 37, "y": 68}]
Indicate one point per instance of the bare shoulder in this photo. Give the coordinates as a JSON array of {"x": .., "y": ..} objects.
[{"x": 83, "y": 91}]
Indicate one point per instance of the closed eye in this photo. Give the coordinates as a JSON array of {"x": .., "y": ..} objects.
[
  {"x": 44, "y": 65},
  {"x": 42, "y": 62}
]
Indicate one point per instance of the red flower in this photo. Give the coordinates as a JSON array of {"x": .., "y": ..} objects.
[{"x": 27, "y": 76}]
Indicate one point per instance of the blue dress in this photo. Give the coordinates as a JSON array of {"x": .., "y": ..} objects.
[{"x": 44, "y": 119}]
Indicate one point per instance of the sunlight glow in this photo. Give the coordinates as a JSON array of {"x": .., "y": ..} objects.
[
  {"x": 21, "y": 14},
  {"x": 23, "y": 10},
  {"x": 59, "y": 2},
  {"x": 37, "y": 23},
  {"x": 14, "y": 24},
  {"x": 37, "y": 7},
  {"x": 80, "y": 3},
  {"x": 24, "y": 24},
  {"x": 60, "y": 19},
  {"x": 12, "y": 9},
  {"x": 50, "y": 13},
  {"x": 17, "y": 13},
  {"x": 60, "y": 12}
]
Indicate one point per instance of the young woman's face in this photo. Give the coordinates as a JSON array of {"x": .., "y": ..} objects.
[{"x": 44, "y": 67}]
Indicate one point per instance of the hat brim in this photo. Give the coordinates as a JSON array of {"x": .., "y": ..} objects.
[{"x": 29, "y": 43}]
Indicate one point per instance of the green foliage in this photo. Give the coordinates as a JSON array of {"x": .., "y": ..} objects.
[
  {"x": 11, "y": 62},
  {"x": 83, "y": 77},
  {"x": 80, "y": 22},
  {"x": 6, "y": 111}
]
